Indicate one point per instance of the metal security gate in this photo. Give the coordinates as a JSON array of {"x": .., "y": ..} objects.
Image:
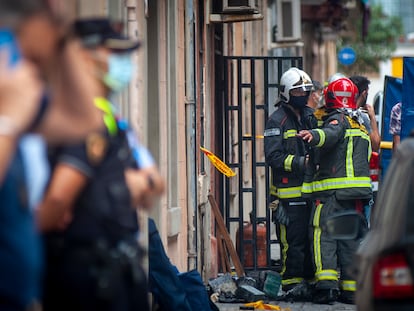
[{"x": 250, "y": 92}]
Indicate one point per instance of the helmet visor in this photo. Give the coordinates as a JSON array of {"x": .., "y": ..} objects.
[{"x": 301, "y": 89}]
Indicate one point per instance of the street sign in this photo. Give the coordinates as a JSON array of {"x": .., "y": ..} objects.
[{"x": 347, "y": 56}]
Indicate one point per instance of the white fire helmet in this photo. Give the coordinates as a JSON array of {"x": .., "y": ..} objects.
[{"x": 294, "y": 78}]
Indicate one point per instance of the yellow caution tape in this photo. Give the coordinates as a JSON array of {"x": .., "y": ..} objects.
[
  {"x": 220, "y": 165},
  {"x": 386, "y": 145},
  {"x": 250, "y": 135},
  {"x": 265, "y": 306}
]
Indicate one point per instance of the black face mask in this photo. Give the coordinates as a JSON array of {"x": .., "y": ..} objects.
[{"x": 298, "y": 102}]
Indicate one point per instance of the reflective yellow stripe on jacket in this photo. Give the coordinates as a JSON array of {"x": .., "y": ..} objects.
[
  {"x": 350, "y": 181},
  {"x": 286, "y": 193},
  {"x": 289, "y": 192},
  {"x": 336, "y": 183},
  {"x": 289, "y": 134},
  {"x": 359, "y": 133},
  {"x": 273, "y": 190},
  {"x": 322, "y": 137},
  {"x": 288, "y": 163}
]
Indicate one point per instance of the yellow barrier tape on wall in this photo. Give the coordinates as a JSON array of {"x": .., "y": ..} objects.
[
  {"x": 220, "y": 165},
  {"x": 386, "y": 145}
]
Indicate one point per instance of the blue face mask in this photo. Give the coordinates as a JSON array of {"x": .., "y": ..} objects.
[
  {"x": 298, "y": 102},
  {"x": 120, "y": 70}
]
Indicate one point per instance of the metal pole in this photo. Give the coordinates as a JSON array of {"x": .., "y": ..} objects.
[{"x": 190, "y": 135}]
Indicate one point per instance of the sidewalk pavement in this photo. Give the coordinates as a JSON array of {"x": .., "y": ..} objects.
[{"x": 295, "y": 306}]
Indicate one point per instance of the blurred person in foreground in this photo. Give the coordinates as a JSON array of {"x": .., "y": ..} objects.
[
  {"x": 42, "y": 89},
  {"x": 88, "y": 212}
]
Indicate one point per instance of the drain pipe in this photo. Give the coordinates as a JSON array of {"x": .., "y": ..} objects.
[{"x": 190, "y": 135}]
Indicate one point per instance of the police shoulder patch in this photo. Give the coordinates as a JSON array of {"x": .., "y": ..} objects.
[
  {"x": 96, "y": 145},
  {"x": 272, "y": 132}
]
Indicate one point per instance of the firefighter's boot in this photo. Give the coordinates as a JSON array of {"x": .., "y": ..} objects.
[{"x": 326, "y": 296}]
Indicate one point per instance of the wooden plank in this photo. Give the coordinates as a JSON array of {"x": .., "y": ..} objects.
[
  {"x": 223, "y": 255},
  {"x": 226, "y": 256},
  {"x": 226, "y": 236}
]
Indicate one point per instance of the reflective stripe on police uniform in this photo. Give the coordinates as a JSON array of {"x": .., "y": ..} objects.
[{"x": 109, "y": 119}]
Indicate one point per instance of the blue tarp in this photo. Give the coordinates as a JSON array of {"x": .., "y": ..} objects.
[
  {"x": 407, "y": 118},
  {"x": 172, "y": 290},
  {"x": 393, "y": 88}
]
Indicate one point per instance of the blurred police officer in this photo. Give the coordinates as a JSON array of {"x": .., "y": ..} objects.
[
  {"x": 93, "y": 258},
  {"x": 286, "y": 155},
  {"x": 341, "y": 183}
]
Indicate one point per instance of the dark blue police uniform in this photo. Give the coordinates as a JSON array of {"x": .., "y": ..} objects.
[{"x": 95, "y": 263}]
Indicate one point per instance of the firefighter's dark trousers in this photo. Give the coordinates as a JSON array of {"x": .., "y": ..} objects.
[
  {"x": 295, "y": 246},
  {"x": 332, "y": 258}
]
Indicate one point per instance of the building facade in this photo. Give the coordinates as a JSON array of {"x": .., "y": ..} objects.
[{"x": 176, "y": 99}]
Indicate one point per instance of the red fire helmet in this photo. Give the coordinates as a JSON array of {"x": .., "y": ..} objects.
[{"x": 341, "y": 93}]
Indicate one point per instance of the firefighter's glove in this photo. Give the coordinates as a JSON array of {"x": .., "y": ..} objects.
[{"x": 278, "y": 212}]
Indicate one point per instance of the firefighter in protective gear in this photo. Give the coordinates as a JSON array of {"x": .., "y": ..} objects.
[
  {"x": 320, "y": 111},
  {"x": 335, "y": 76},
  {"x": 286, "y": 155},
  {"x": 341, "y": 183}
]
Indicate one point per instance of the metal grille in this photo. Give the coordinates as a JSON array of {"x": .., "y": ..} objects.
[{"x": 250, "y": 91}]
